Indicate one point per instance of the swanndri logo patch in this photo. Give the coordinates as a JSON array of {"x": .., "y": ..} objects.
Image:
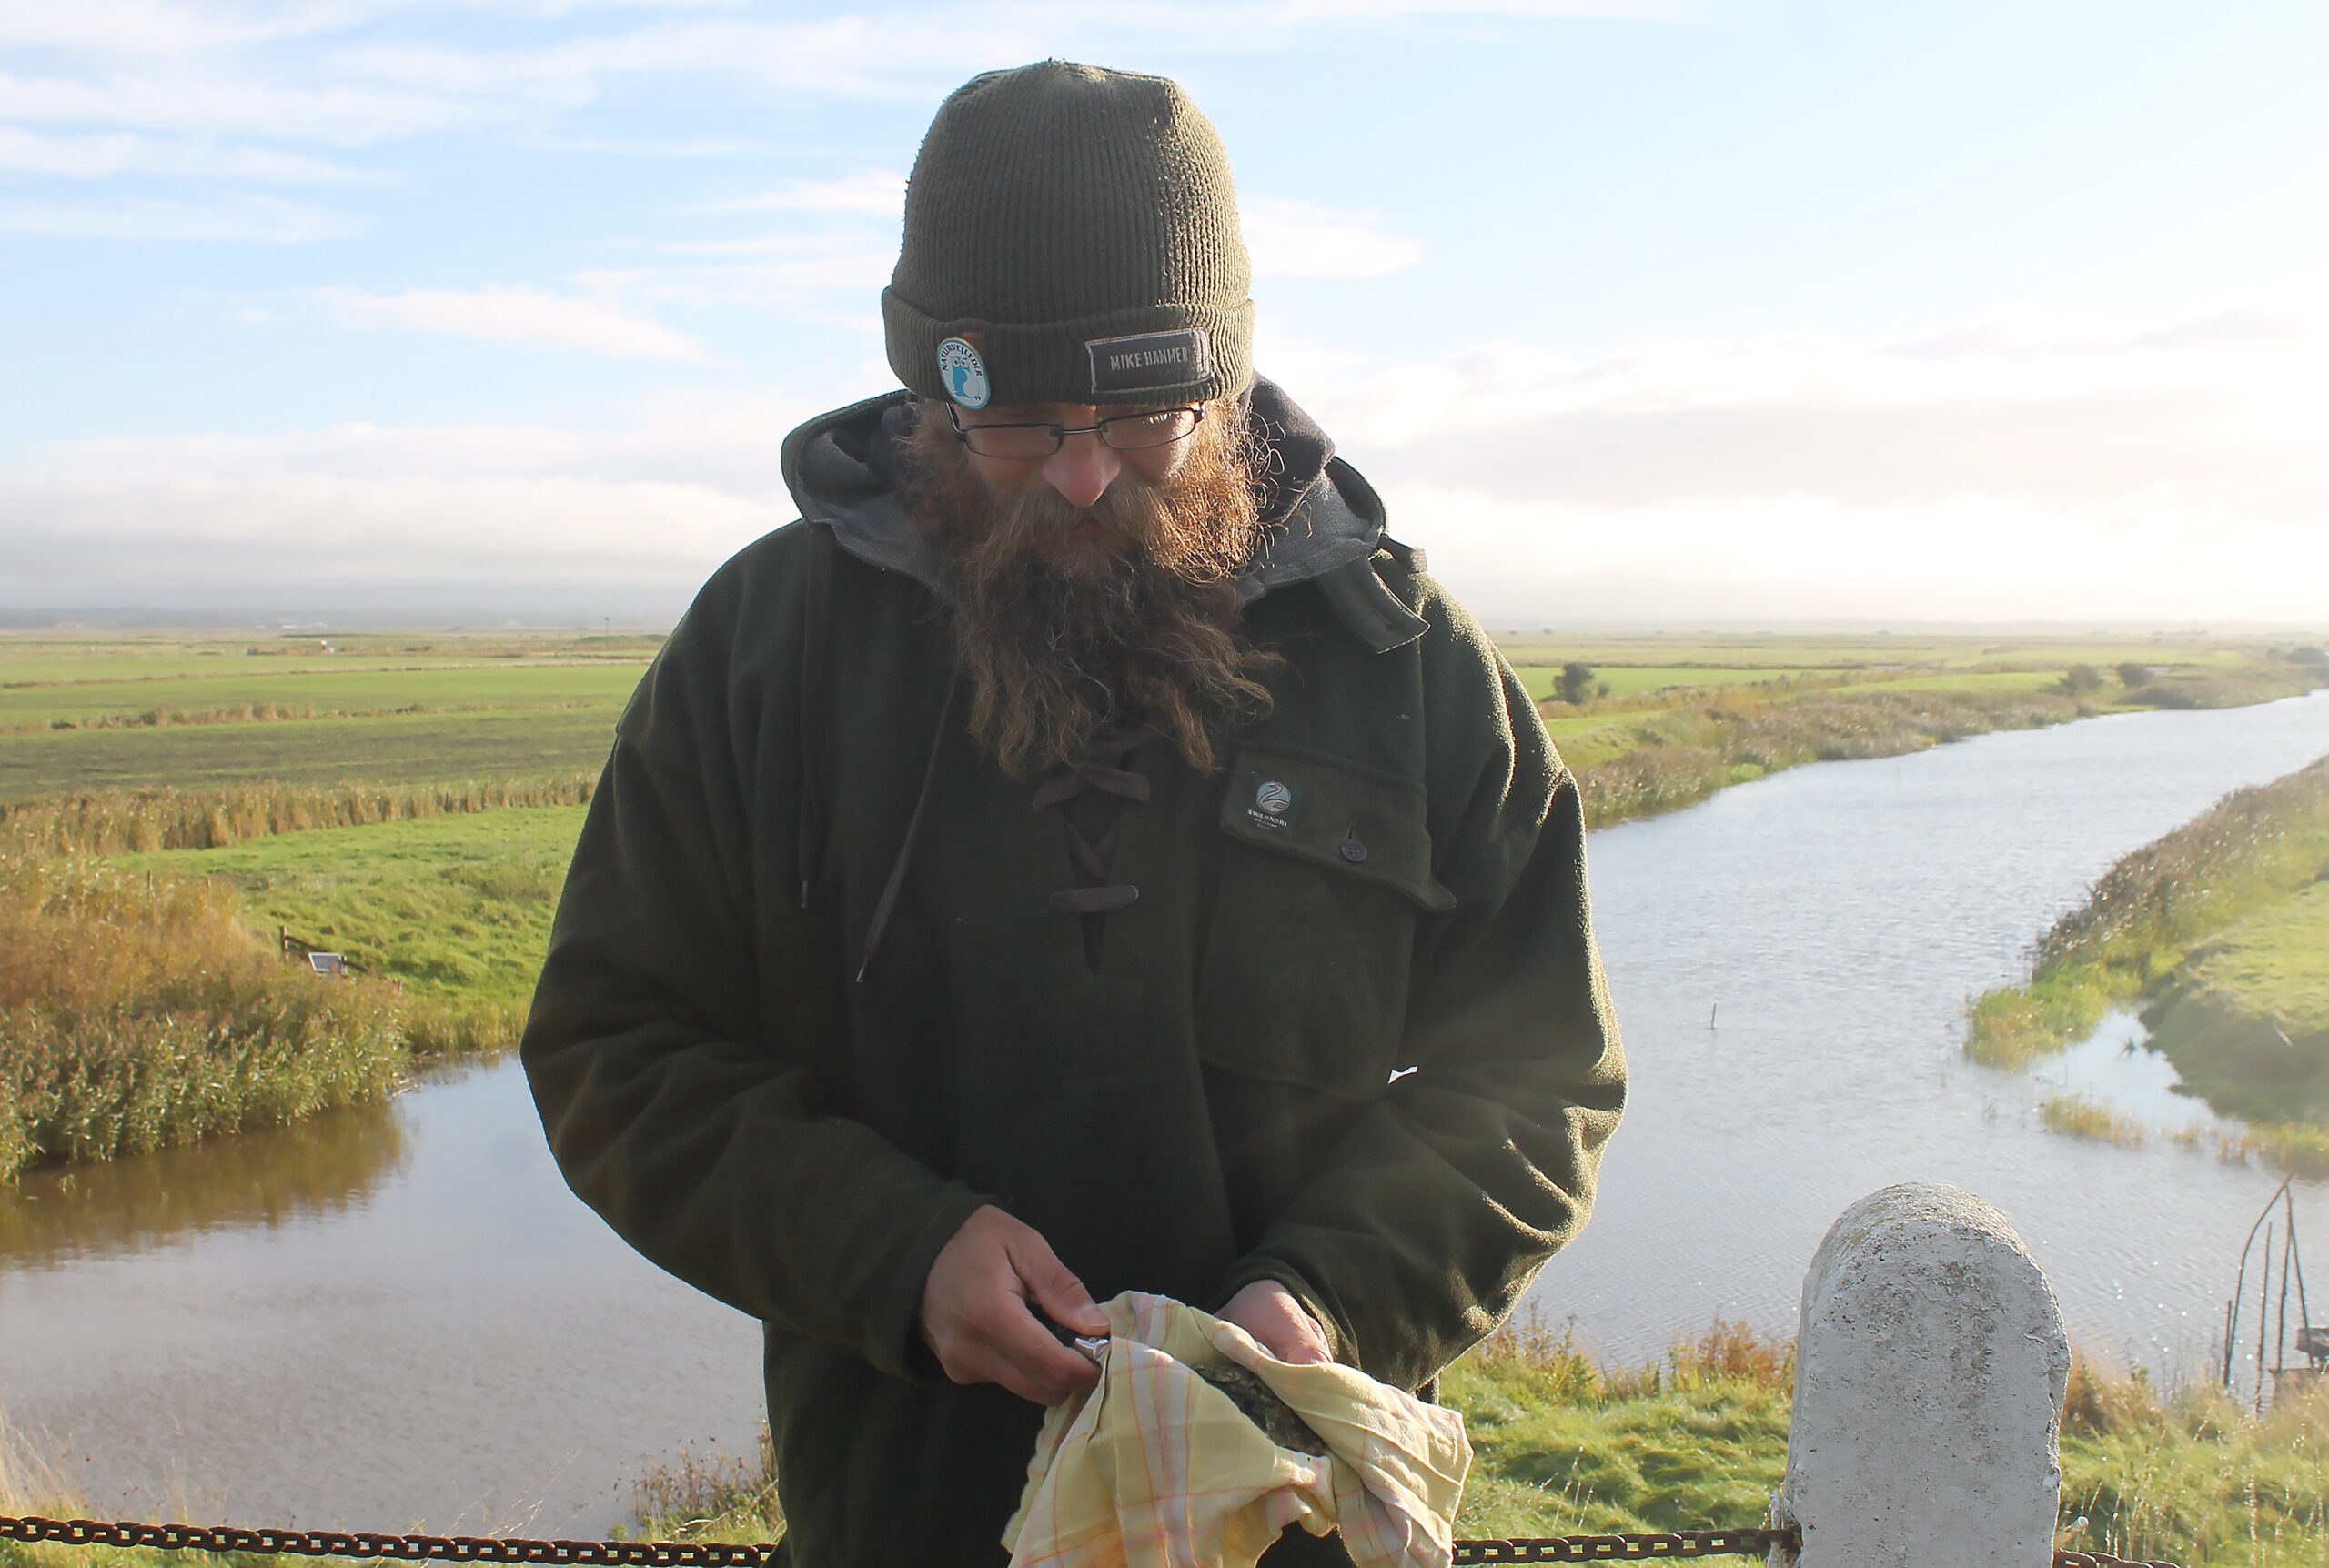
[{"x": 1273, "y": 807}]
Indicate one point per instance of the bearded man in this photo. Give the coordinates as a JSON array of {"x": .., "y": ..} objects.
[{"x": 1084, "y": 854}]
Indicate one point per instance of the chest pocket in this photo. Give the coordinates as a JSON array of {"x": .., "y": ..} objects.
[{"x": 1327, "y": 870}]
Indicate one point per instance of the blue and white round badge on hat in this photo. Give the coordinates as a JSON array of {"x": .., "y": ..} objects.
[{"x": 963, "y": 372}]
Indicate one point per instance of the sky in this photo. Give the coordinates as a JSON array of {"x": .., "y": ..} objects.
[{"x": 1649, "y": 314}]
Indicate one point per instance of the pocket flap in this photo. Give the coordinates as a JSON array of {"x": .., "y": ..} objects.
[{"x": 1361, "y": 823}]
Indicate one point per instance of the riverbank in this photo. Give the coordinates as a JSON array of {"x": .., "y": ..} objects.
[
  {"x": 140, "y": 1011},
  {"x": 1673, "y": 757},
  {"x": 2220, "y": 931}
]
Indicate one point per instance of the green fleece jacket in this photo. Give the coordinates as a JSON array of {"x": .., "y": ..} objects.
[{"x": 1351, "y": 1033}]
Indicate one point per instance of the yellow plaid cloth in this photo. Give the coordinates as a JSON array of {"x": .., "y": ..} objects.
[{"x": 1155, "y": 1468}]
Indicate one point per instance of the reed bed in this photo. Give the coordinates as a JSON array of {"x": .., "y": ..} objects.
[
  {"x": 137, "y": 1013},
  {"x": 2254, "y": 849},
  {"x": 116, "y": 821},
  {"x": 1683, "y": 755},
  {"x": 2081, "y": 1117}
]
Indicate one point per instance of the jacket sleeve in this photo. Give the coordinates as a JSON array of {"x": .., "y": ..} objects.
[
  {"x": 1430, "y": 1217},
  {"x": 675, "y": 1107}
]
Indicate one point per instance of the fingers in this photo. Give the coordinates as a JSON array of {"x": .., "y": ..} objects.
[
  {"x": 1279, "y": 1322},
  {"x": 1011, "y": 1348},
  {"x": 1058, "y": 1292},
  {"x": 976, "y": 1317}
]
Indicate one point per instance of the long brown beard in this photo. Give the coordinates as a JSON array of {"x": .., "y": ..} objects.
[{"x": 1063, "y": 638}]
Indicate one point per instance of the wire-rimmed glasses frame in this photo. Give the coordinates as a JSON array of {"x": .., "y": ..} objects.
[{"x": 1121, "y": 432}]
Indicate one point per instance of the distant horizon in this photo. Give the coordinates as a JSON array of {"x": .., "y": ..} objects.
[{"x": 227, "y": 622}]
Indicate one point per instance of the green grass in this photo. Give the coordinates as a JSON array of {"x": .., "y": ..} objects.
[
  {"x": 421, "y": 748},
  {"x": 313, "y": 693},
  {"x": 2278, "y": 961},
  {"x": 137, "y": 1013},
  {"x": 1698, "y": 1439},
  {"x": 455, "y": 907},
  {"x": 2146, "y": 927},
  {"x": 1657, "y": 761},
  {"x": 52, "y": 658},
  {"x": 1634, "y": 680},
  {"x": 2075, "y": 1114}
]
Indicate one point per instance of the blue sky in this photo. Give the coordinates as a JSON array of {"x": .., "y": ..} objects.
[{"x": 1649, "y": 313}]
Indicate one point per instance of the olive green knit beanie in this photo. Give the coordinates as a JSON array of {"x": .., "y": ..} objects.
[{"x": 1071, "y": 237}]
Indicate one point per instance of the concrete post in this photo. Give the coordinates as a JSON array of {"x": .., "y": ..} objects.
[{"x": 1929, "y": 1377}]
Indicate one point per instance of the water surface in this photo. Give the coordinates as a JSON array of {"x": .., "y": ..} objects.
[{"x": 1833, "y": 920}]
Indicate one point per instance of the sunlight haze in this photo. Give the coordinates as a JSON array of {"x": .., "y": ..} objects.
[{"x": 1633, "y": 312}]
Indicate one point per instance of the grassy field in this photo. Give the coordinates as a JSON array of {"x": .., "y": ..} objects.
[
  {"x": 413, "y": 748},
  {"x": 453, "y": 907},
  {"x": 197, "y": 712},
  {"x": 243, "y": 697},
  {"x": 29, "y": 659}
]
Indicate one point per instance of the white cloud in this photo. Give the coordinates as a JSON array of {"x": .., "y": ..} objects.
[
  {"x": 2011, "y": 465},
  {"x": 2018, "y": 463},
  {"x": 527, "y": 316},
  {"x": 878, "y": 193},
  {"x": 327, "y": 72},
  {"x": 521, "y": 517},
  {"x": 1303, "y": 239},
  {"x": 234, "y": 218},
  {"x": 1966, "y": 557},
  {"x": 114, "y": 153}
]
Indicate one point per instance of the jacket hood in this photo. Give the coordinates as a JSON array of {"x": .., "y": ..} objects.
[{"x": 846, "y": 471}]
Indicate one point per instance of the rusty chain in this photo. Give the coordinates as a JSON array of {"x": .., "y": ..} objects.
[
  {"x": 721, "y": 1554},
  {"x": 368, "y": 1543},
  {"x": 1626, "y": 1548}
]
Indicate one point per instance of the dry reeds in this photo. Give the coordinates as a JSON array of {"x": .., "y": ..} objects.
[
  {"x": 2080, "y": 1117},
  {"x": 710, "y": 1497},
  {"x": 113, "y": 821},
  {"x": 137, "y": 1013},
  {"x": 1558, "y": 1371},
  {"x": 2253, "y": 848},
  {"x": 1683, "y": 755}
]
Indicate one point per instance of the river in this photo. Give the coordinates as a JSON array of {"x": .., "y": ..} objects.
[{"x": 398, "y": 1316}]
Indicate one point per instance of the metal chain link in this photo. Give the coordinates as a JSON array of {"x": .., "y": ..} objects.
[
  {"x": 1627, "y": 1548},
  {"x": 368, "y": 1543},
  {"x": 722, "y": 1554}
]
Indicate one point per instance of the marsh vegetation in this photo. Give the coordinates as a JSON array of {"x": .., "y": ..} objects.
[{"x": 2220, "y": 930}]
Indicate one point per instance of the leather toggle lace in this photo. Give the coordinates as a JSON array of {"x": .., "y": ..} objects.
[{"x": 1100, "y": 769}]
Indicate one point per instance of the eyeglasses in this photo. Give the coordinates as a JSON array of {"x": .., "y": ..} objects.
[{"x": 1124, "y": 432}]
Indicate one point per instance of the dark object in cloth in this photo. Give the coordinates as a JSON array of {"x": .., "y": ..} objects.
[{"x": 1259, "y": 1403}]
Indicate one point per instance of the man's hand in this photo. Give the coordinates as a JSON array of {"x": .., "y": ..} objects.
[
  {"x": 975, "y": 1311},
  {"x": 1272, "y": 1314}
]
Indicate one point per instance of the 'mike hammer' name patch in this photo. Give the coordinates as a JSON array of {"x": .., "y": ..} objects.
[{"x": 1151, "y": 359}]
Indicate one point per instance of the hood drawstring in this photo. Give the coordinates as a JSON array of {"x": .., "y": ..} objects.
[
  {"x": 889, "y": 900},
  {"x": 809, "y": 847}
]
